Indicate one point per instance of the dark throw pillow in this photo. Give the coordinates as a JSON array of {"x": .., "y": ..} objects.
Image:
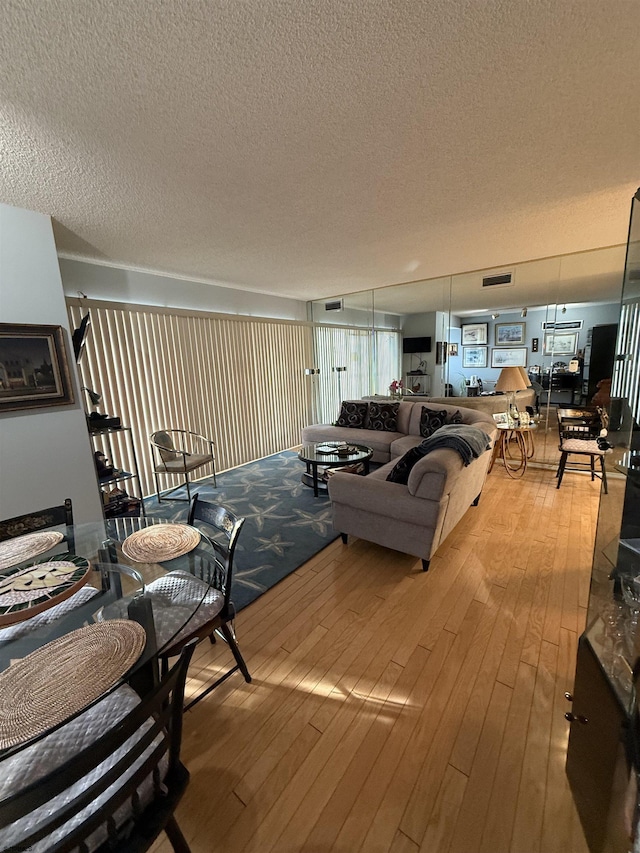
[
  {"x": 401, "y": 470},
  {"x": 456, "y": 418},
  {"x": 352, "y": 414},
  {"x": 383, "y": 416},
  {"x": 431, "y": 420}
]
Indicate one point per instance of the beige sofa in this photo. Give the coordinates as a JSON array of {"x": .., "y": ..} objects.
[
  {"x": 414, "y": 518},
  {"x": 490, "y": 403}
]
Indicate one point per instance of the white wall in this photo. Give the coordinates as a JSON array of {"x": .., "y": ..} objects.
[
  {"x": 118, "y": 284},
  {"x": 45, "y": 455}
]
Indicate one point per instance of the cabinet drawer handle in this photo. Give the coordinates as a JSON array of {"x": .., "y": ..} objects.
[{"x": 580, "y": 718}]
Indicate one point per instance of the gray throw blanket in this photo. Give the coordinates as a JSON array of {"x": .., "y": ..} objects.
[{"x": 469, "y": 441}]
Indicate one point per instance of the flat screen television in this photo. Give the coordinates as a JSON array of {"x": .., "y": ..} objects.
[
  {"x": 410, "y": 345},
  {"x": 79, "y": 337}
]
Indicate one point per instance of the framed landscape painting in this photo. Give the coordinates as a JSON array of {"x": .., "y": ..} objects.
[
  {"x": 509, "y": 334},
  {"x": 34, "y": 370},
  {"x": 475, "y": 334},
  {"x": 560, "y": 343},
  {"x": 512, "y": 357},
  {"x": 474, "y": 356}
]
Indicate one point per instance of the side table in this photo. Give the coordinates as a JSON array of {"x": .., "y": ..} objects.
[{"x": 522, "y": 437}]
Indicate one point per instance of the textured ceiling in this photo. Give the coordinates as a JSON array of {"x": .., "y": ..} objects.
[{"x": 321, "y": 147}]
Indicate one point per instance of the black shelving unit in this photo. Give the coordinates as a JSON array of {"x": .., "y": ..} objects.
[{"x": 125, "y": 505}]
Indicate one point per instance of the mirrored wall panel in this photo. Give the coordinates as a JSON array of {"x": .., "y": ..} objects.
[{"x": 555, "y": 319}]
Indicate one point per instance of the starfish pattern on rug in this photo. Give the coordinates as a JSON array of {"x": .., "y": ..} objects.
[
  {"x": 275, "y": 544},
  {"x": 320, "y": 523},
  {"x": 270, "y": 496}
]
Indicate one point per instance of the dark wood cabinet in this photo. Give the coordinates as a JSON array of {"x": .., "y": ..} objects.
[
  {"x": 596, "y": 758},
  {"x": 601, "y": 355}
]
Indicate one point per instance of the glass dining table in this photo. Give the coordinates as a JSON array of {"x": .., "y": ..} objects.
[{"x": 100, "y": 631}]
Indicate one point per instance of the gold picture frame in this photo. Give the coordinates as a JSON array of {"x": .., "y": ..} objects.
[{"x": 34, "y": 367}]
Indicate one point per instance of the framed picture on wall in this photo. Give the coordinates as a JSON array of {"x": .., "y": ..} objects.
[
  {"x": 563, "y": 325},
  {"x": 509, "y": 357},
  {"x": 560, "y": 343},
  {"x": 509, "y": 334},
  {"x": 474, "y": 356},
  {"x": 453, "y": 349},
  {"x": 34, "y": 370},
  {"x": 475, "y": 334}
]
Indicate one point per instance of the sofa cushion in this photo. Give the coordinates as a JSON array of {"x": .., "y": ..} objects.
[
  {"x": 352, "y": 414},
  {"x": 383, "y": 416},
  {"x": 401, "y": 445},
  {"x": 401, "y": 470},
  {"x": 431, "y": 420}
]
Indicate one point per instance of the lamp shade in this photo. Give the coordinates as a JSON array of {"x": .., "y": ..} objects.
[
  {"x": 510, "y": 379},
  {"x": 525, "y": 376}
]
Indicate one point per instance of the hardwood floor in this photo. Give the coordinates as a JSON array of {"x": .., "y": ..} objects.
[{"x": 397, "y": 710}]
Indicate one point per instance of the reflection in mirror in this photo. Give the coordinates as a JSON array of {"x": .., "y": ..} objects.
[
  {"x": 541, "y": 314},
  {"x": 617, "y": 544},
  {"x": 354, "y": 349}
]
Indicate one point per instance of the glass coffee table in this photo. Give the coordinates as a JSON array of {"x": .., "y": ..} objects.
[{"x": 330, "y": 454}]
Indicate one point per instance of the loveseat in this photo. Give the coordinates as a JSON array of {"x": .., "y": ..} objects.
[{"x": 417, "y": 517}]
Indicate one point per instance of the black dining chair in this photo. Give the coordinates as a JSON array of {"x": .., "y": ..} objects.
[
  {"x": 208, "y": 581},
  {"x": 109, "y": 779},
  {"x": 32, "y": 522},
  {"x": 578, "y": 433}
]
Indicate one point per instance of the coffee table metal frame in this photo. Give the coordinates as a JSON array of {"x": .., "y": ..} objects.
[{"x": 313, "y": 460}]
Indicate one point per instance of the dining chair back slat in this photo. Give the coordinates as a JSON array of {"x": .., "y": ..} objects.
[
  {"x": 221, "y": 529},
  {"x": 32, "y": 522},
  {"x": 140, "y": 752}
]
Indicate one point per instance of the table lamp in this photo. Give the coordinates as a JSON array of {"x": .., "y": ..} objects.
[{"x": 511, "y": 380}]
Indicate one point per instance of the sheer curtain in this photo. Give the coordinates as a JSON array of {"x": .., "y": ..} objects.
[{"x": 371, "y": 359}]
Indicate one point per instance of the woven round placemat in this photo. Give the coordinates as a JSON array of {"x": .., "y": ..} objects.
[
  {"x": 13, "y": 551},
  {"x": 31, "y": 589},
  {"x": 160, "y": 542},
  {"x": 51, "y": 684}
]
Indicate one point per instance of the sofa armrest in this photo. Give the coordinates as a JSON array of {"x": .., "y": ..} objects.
[
  {"x": 438, "y": 472},
  {"x": 381, "y": 497}
]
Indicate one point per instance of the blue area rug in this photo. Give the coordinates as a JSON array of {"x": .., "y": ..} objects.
[{"x": 285, "y": 525}]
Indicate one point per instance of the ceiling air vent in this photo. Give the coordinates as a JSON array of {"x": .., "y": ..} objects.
[
  {"x": 336, "y": 305},
  {"x": 494, "y": 280}
]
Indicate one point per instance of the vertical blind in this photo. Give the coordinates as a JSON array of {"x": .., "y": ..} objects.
[
  {"x": 626, "y": 376},
  {"x": 238, "y": 380}
]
